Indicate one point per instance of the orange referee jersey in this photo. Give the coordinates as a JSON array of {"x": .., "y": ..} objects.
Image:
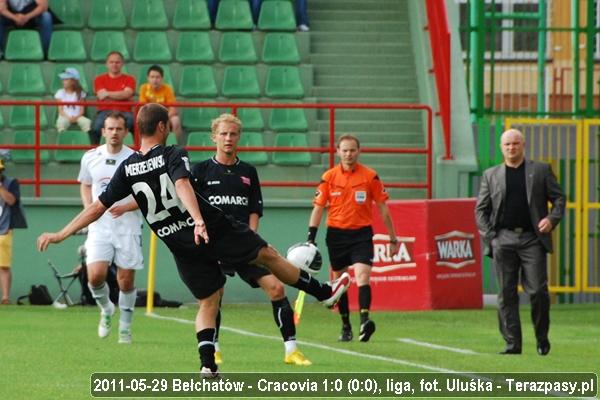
[{"x": 349, "y": 195}]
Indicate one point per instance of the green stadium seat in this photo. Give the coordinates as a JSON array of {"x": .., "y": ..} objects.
[
  {"x": 194, "y": 47},
  {"x": 67, "y": 138},
  {"x": 288, "y": 120},
  {"x": 284, "y": 82},
  {"x": 200, "y": 139},
  {"x": 69, "y": 12},
  {"x": 197, "y": 80},
  {"x": 234, "y": 15},
  {"x": 171, "y": 139},
  {"x": 280, "y": 48},
  {"x": 151, "y": 47},
  {"x": 28, "y": 155},
  {"x": 143, "y": 72},
  {"x": 149, "y": 14},
  {"x": 291, "y": 158},
  {"x": 106, "y": 41},
  {"x": 191, "y": 14},
  {"x": 23, "y": 45},
  {"x": 252, "y": 119},
  {"x": 195, "y": 118},
  {"x": 25, "y": 79},
  {"x": 237, "y": 47},
  {"x": 57, "y": 82},
  {"x": 107, "y": 14},
  {"x": 1, "y": 119},
  {"x": 240, "y": 81},
  {"x": 277, "y": 16},
  {"x": 24, "y": 117},
  {"x": 67, "y": 46},
  {"x": 253, "y": 139}
]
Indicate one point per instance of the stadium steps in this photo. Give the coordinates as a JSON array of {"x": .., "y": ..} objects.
[{"x": 361, "y": 53}]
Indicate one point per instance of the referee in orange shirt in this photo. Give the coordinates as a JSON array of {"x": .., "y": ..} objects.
[{"x": 348, "y": 190}]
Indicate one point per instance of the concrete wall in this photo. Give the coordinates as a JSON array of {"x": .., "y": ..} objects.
[{"x": 282, "y": 226}]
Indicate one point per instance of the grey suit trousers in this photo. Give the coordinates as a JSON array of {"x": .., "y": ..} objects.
[{"x": 521, "y": 255}]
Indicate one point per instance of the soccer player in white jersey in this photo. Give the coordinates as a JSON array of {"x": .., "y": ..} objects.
[{"x": 116, "y": 236}]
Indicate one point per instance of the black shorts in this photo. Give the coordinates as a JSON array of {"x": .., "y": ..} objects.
[
  {"x": 201, "y": 275},
  {"x": 349, "y": 246},
  {"x": 250, "y": 273},
  {"x": 230, "y": 242}
]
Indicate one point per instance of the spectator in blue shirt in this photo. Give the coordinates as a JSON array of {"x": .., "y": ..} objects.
[{"x": 28, "y": 14}]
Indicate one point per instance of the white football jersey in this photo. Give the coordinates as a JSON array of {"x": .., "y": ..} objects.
[{"x": 97, "y": 168}]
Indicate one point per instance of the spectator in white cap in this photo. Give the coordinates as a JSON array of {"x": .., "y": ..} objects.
[{"x": 71, "y": 92}]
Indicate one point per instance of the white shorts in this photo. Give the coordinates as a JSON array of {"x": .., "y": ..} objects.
[{"x": 124, "y": 250}]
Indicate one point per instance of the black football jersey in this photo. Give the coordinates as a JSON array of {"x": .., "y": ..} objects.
[
  {"x": 235, "y": 189},
  {"x": 150, "y": 179}
]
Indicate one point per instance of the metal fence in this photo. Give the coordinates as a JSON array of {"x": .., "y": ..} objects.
[{"x": 531, "y": 57}]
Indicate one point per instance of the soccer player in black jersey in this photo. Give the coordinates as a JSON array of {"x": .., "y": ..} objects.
[
  {"x": 197, "y": 233},
  {"x": 233, "y": 185}
]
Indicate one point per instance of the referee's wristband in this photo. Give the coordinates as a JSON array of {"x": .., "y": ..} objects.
[{"x": 312, "y": 233}]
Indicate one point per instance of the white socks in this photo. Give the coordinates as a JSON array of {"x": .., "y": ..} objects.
[
  {"x": 126, "y": 305},
  {"x": 290, "y": 346},
  {"x": 101, "y": 295}
]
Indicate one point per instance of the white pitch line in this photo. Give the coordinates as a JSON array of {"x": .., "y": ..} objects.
[
  {"x": 319, "y": 346},
  {"x": 334, "y": 349},
  {"x": 437, "y": 346}
]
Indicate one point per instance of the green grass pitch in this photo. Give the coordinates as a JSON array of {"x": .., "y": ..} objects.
[{"x": 46, "y": 353}]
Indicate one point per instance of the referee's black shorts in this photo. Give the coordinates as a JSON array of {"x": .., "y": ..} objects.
[{"x": 349, "y": 246}]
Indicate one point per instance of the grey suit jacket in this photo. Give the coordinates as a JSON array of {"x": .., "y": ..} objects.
[{"x": 542, "y": 188}]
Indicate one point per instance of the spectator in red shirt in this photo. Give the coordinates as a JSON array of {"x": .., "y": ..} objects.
[{"x": 113, "y": 86}]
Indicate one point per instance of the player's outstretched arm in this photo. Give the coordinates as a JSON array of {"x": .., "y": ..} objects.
[
  {"x": 119, "y": 209},
  {"x": 83, "y": 219},
  {"x": 186, "y": 194}
]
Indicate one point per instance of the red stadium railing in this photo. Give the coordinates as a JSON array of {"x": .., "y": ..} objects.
[
  {"x": 37, "y": 180},
  {"x": 439, "y": 36}
]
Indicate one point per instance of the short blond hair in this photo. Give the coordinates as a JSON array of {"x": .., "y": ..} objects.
[{"x": 225, "y": 117}]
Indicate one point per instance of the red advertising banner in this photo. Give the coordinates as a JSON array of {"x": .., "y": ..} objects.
[{"x": 438, "y": 264}]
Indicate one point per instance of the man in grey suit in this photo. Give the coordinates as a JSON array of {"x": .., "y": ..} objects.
[{"x": 514, "y": 222}]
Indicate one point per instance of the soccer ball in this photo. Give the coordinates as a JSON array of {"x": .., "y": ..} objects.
[{"x": 305, "y": 256}]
